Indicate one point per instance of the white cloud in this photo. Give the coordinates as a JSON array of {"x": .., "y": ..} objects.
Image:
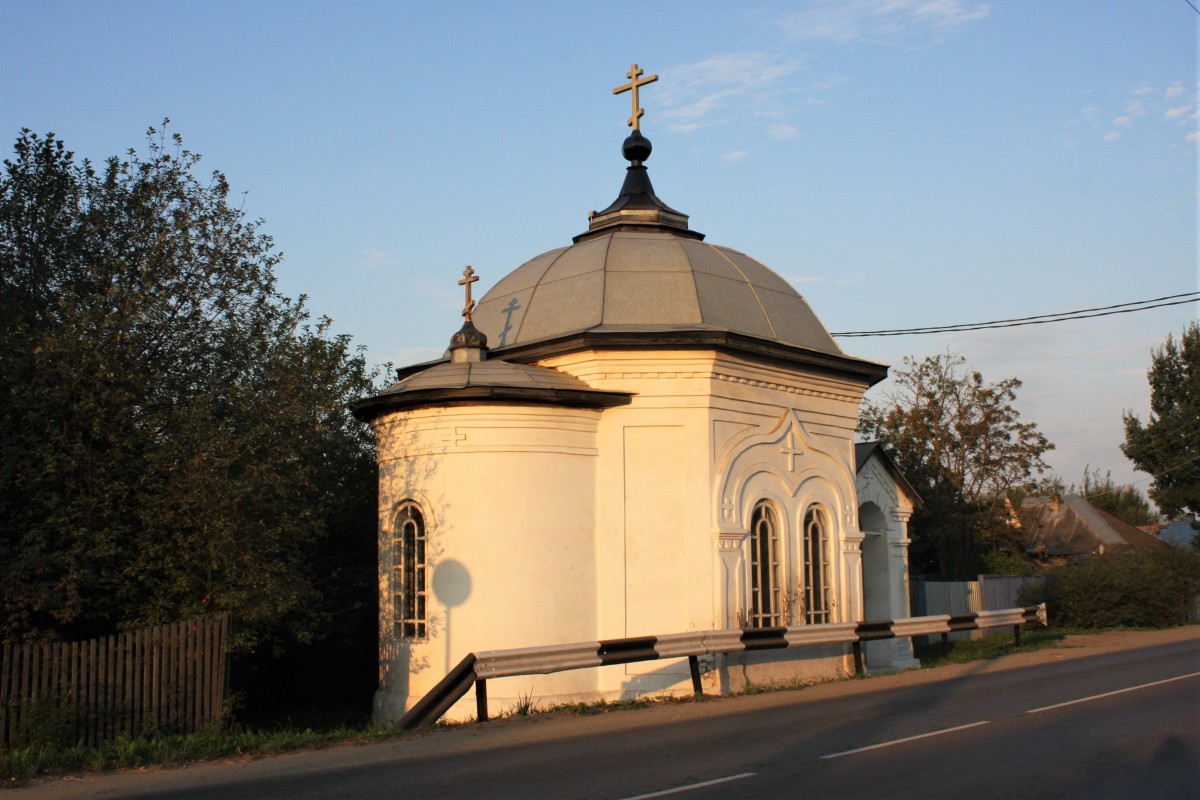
[
  {"x": 882, "y": 21},
  {"x": 377, "y": 258},
  {"x": 1194, "y": 136},
  {"x": 702, "y": 92},
  {"x": 782, "y": 131},
  {"x": 829, "y": 82},
  {"x": 734, "y": 155},
  {"x": 1136, "y": 107},
  {"x": 1141, "y": 103}
]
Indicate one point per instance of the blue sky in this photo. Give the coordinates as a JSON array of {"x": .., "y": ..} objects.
[{"x": 901, "y": 162}]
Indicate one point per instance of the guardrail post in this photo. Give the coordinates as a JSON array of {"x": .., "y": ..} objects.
[
  {"x": 694, "y": 666},
  {"x": 1017, "y": 633},
  {"x": 945, "y": 645},
  {"x": 438, "y": 700},
  {"x": 481, "y": 710},
  {"x": 858, "y": 661}
]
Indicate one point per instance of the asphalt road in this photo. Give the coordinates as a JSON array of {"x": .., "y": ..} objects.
[{"x": 1116, "y": 716}]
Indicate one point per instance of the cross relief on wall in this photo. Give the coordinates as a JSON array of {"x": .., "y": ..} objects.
[{"x": 789, "y": 449}]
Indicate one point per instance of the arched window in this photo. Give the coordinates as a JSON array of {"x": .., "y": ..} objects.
[
  {"x": 409, "y": 545},
  {"x": 766, "y": 606},
  {"x": 815, "y": 547}
]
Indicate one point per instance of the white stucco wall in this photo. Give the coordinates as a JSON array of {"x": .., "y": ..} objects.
[{"x": 507, "y": 493}]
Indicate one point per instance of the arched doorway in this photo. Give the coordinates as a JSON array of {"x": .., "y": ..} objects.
[{"x": 876, "y": 591}]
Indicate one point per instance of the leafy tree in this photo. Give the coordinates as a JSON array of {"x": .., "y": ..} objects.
[
  {"x": 1002, "y": 562},
  {"x": 1168, "y": 446},
  {"x": 1123, "y": 501},
  {"x": 174, "y": 436},
  {"x": 964, "y": 447}
]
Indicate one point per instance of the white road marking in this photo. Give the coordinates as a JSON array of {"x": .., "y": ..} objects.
[
  {"x": 691, "y": 786},
  {"x": 1110, "y": 694},
  {"x": 906, "y": 739}
]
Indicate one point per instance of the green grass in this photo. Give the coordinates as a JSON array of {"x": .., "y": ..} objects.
[
  {"x": 604, "y": 706},
  {"x": 526, "y": 705},
  {"x": 22, "y": 763},
  {"x": 963, "y": 650}
]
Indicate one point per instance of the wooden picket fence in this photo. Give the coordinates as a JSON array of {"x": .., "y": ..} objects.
[{"x": 166, "y": 678}]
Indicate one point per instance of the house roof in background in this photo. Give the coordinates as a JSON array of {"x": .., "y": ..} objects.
[{"x": 1071, "y": 526}]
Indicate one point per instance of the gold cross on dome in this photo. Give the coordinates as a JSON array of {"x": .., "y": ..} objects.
[
  {"x": 635, "y": 72},
  {"x": 469, "y": 277}
]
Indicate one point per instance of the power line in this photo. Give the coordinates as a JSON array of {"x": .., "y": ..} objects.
[
  {"x": 1193, "y": 5},
  {"x": 1041, "y": 319},
  {"x": 1166, "y": 470}
]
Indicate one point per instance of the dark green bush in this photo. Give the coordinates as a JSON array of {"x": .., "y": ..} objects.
[{"x": 1136, "y": 590}]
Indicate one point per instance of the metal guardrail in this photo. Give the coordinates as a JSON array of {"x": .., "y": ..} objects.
[{"x": 477, "y": 668}]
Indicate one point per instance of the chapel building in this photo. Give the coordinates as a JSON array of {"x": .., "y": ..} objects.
[{"x": 638, "y": 434}]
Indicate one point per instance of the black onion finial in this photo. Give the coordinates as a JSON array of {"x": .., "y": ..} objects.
[{"x": 636, "y": 148}]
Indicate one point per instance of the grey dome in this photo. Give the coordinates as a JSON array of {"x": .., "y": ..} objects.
[{"x": 651, "y": 281}]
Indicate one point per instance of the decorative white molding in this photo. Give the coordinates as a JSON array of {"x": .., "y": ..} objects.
[
  {"x": 726, "y": 377},
  {"x": 729, "y": 541},
  {"x": 783, "y": 387},
  {"x": 649, "y": 375}
]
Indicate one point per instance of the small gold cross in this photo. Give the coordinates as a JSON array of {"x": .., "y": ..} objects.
[
  {"x": 469, "y": 277},
  {"x": 634, "y": 73}
]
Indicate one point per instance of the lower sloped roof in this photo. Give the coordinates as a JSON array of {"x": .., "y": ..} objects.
[{"x": 1071, "y": 526}]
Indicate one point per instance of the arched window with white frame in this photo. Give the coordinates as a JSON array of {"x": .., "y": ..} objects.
[
  {"x": 409, "y": 570},
  {"x": 815, "y": 586},
  {"x": 766, "y": 599}
]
